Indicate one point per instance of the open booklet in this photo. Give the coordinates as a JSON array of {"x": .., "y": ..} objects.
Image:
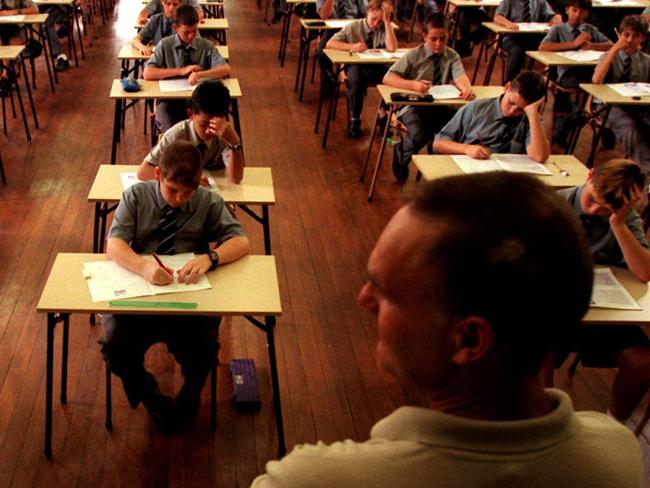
[
  {"x": 444, "y": 92},
  {"x": 618, "y": 3},
  {"x": 108, "y": 281},
  {"x": 12, "y": 18},
  {"x": 175, "y": 85},
  {"x": 609, "y": 293},
  {"x": 516, "y": 163},
  {"x": 381, "y": 54},
  {"x": 130, "y": 178},
  {"x": 533, "y": 26},
  {"x": 632, "y": 89},
  {"x": 585, "y": 55}
]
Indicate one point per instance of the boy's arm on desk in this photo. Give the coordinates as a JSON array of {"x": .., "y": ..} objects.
[
  {"x": 219, "y": 71},
  {"x": 395, "y": 80},
  {"x": 119, "y": 251}
]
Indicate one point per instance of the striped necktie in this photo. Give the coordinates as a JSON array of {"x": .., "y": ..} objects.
[
  {"x": 526, "y": 11},
  {"x": 437, "y": 70},
  {"x": 626, "y": 75},
  {"x": 167, "y": 230}
]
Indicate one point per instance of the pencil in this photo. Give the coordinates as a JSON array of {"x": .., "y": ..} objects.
[{"x": 157, "y": 258}]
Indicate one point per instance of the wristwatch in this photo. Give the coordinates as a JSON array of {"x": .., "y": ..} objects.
[
  {"x": 214, "y": 257},
  {"x": 235, "y": 147}
]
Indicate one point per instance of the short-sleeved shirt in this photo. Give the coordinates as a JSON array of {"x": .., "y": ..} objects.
[
  {"x": 565, "y": 33},
  {"x": 359, "y": 31},
  {"x": 155, "y": 6},
  {"x": 602, "y": 242},
  {"x": 417, "y": 64},
  {"x": 157, "y": 27},
  {"x": 204, "y": 218},
  {"x": 15, "y": 4},
  {"x": 346, "y": 9},
  {"x": 513, "y": 10},
  {"x": 481, "y": 122},
  {"x": 170, "y": 53},
  {"x": 640, "y": 67},
  {"x": 215, "y": 154}
]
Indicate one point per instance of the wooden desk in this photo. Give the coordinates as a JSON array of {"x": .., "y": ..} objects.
[
  {"x": 339, "y": 60},
  {"x": 638, "y": 290},
  {"x": 128, "y": 53},
  {"x": 246, "y": 287},
  {"x": 151, "y": 90},
  {"x": 460, "y": 4},
  {"x": 255, "y": 189},
  {"x": 213, "y": 8},
  {"x": 554, "y": 59},
  {"x": 10, "y": 56},
  {"x": 385, "y": 92},
  {"x": 220, "y": 26},
  {"x": 286, "y": 26},
  {"x": 610, "y": 98},
  {"x": 441, "y": 166},
  {"x": 500, "y": 32},
  {"x": 632, "y": 4},
  {"x": 73, "y": 20}
]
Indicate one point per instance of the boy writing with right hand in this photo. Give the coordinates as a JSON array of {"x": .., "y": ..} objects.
[{"x": 157, "y": 27}]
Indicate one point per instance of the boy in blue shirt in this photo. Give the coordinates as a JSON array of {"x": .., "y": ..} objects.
[{"x": 157, "y": 27}]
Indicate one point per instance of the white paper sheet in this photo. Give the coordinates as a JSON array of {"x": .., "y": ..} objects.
[
  {"x": 585, "y": 55},
  {"x": 444, "y": 92},
  {"x": 609, "y": 293},
  {"x": 176, "y": 85},
  {"x": 381, "y": 54},
  {"x": 515, "y": 163},
  {"x": 533, "y": 26},
  {"x": 471, "y": 165},
  {"x": 618, "y": 3},
  {"x": 337, "y": 23},
  {"x": 631, "y": 89},
  {"x": 129, "y": 179},
  {"x": 12, "y": 18}
]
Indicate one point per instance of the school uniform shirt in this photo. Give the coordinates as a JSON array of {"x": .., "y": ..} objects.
[
  {"x": 640, "y": 63},
  {"x": 215, "y": 154},
  {"x": 513, "y": 10},
  {"x": 359, "y": 31},
  {"x": 157, "y": 27},
  {"x": 565, "y": 33},
  {"x": 155, "y": 6},
  {"x": 418, "y": 64},
  {"x": 346, "y": 9},
  {"x": 171, "y": 53},
  {"x": 481, "y": 122}
]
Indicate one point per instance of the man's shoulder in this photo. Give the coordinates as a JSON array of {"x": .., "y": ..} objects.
[
  {"x": 142, "y": 193},
  {"x": 180, "y": 131},
  {"x": 204, "y": 43}
]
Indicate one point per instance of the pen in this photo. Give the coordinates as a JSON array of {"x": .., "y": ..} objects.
[{"x": 157, "y": 258}]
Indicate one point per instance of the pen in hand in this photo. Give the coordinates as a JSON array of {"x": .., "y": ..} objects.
[{"x": 160, "y": 263}]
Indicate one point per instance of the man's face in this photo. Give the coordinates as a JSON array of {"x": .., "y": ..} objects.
[
  {"x": 436, "y": 39},
  {"x": 201, "y": 122},
  {"x": 413, "y": 342},
  {"x": 172, "y": 192},
  {"x": 374, "y": 18},
  {"x": 169, "y": 7},
  {"x": 634, "y": 40},
  {"x": 592, "y": 203},
  {"x": 186, "y": 33},
  {"x": 512, "y": 103},
  {"x": 576, "y": 16}
]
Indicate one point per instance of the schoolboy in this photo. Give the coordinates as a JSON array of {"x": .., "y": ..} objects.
[
  {"x": 507, "y": 14},
  {"x": 169, "y": 215},
  {"x": 433, "y": 62},
  {"x": 14, "y": 34},
  {"x": 605, "y": 205},
  {"x": 183, "y": 55},
  {"x": 57, "y": 27},
  {"x": 373, "y": 32},
  {"x": 157, "y": 27},
  {"x": 157, "y": 7},
  {"x": 625, "y": 62},
  {"x": 506, "y": 124},
  {"x": 208, "y": 130}
]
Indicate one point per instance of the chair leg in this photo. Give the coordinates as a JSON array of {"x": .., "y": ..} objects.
[{"x": 213, "y": 398}]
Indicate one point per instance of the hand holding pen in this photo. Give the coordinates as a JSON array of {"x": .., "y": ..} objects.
[
  {"x": 478, "y": 151},
  {"x": 157, "y": 273}
]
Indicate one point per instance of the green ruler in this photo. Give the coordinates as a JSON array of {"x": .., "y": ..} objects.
[{"x": 134, "y": 304}]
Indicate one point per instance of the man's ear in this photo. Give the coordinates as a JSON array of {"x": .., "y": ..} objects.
[
  {"x": 473, "y": 339},
  {"x": 506, "y": 87},
  {"x": 156, "y": 173},
  {"x": 190, "y": 114}
]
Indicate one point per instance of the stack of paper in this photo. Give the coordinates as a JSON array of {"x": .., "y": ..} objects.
[
  {"x": 515, "y": 163},
  {"x": 381, "y": 54},
  {"x": 609, "y": 293},
  {"x": 533, "y": 26},
  {"x": 108, "y": 281},
  {"x": 12, "y": 18},
  {"x": 585, "y": 55},
  {"x": 337, "y": 24},
  {"x": 444, "y": 92},
  {"x": 631, "y": 89},
  {"x": 175, "y": 85}
]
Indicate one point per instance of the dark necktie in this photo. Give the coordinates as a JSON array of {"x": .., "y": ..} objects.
[
  {"x": 187, "y": 59},
  {"x": 626, "y": 75},
  {"x": 369, "y": 40},
  {"x": 437, "y": 70},
  {"x": 526, "y": 11},
  {"x": 167, "y": 230},
  {"x": 202, "y": 147},
  {"x": 575, "y": 33}
]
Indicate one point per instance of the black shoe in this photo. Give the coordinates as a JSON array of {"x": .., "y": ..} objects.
[
  {"x": 354, "y": 132},
  {"x": 159, "y": 406},
  {"x": 400, "y": 170},
  {"x": 61, "y": 64}
]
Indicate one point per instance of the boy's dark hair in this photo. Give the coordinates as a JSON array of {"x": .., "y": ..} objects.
[
  {"x": 530, "y": 85},
  {"x": 505, "y": 240},
  {"x": 435, "y": 21},
  {"x": 616, "y": 179},
  {"x": 180, "y": 162},
  {"x": 210, "y": 97},
  {"x": 581, "y": 4},
  {"x": 186, "y": 15},
  {"x": 635, "y": 23}
]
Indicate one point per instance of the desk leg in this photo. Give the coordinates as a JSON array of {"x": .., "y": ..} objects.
[
  {"x": 64, "y": 359},
  {"x": 22, "y": 106},
  {"x": 96, "y": 228},
  {"x": 303, "y": 40},
  {"x": 596, "y": 140},
  {"x": 47, "y": 49},
  {"x": 266, "y": 225},
  {"x": 493, "y": 60},
  {"x": 116, "y": 129},
  {"x": 277, "y": 404},
  {"x": 372, "y": 138},
  {"x": 29, "y": 93},
  {"x": 380, "y": 155},
  {"x": 102, "y": 228},
  {"x": 49, "y": 373},
  {"x": 284, "y": 34},
  {"x": 81, "y": 39},
  {"x": 332, "y": 107},
  {"x": 305, "y": 63},
  {"x": 478, "y": 60}
]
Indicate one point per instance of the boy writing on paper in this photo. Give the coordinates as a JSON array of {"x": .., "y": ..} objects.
[
  {"x": 183, "y": 55},
  {"x": 508, "y": 14},
  {"x": 206, "y": 129},
  {"x": 158, "y": 6},
  {"x": 507, "y": 124},
  {"x": 171, "y": 214},
  {"x": 625, "y": 62},
  {"x": 431, "y": 63},
  {"x": 373, "y": 32},
  {"x": 605, "y": 205},
  {"x": 156, "y": 28}
]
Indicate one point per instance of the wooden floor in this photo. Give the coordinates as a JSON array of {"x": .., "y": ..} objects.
[{"x": 322, "y": 232}]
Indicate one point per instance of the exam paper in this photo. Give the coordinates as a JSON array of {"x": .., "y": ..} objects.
[
  {"x": 12, "y": 18},
  {"x": 618, "y": 3},
  {"x": 176, "y": 85},
  {"x": 470, "y": 165},
  {"x": 632, "y": 89},
  {"x": 381, "y": 54},
  {"x": 609, "y": 293},
  {"x": 337, "y": 24},
  {"x": 129, "y": 179},
  {"x": 533, "y": 26},
  {"x": 515, "y": 163},
  {"x": 444, "y": 92},
  {"x": 108, "y": 281},
  {"x": 582, "y": 55}
]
